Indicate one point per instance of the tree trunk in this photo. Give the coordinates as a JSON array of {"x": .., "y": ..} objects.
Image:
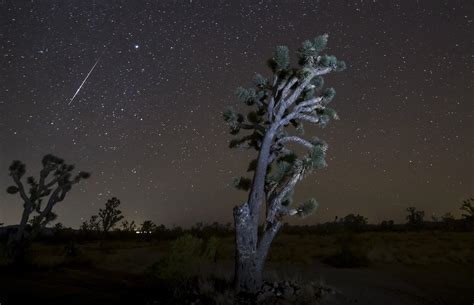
[
  {"x": 248, "y": 265},
  {"x": 24, "y": 221},
  {"x": 266, "y": 241},
  {"x": 248, "y": 270}
]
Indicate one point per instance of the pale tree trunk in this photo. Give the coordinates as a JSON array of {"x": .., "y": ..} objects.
[
  {"x": 248, "y": 273},
  {"x": 250, "y": 258},
  {"x": 248, "y": 267}
]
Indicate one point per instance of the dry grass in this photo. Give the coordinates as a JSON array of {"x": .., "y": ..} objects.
[{"x": 407, "y": 248}]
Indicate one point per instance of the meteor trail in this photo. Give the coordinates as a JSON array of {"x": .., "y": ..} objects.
[{"x": 85, "y": 79}]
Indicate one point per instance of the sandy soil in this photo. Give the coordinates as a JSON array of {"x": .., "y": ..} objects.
[
  {"x": 375, "y": 285},
  {"x": 393, "y": 284}
]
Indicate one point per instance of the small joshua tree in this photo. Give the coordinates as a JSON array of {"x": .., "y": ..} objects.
[
  {"x": 111, "y": 215},
  {"x": 415, "y": 218},
  {"x": 292, "y": 96},
  {"x": 129, "y": 226},
  {"x": 92, "y": 225},
  {"x": 55, "y": 181}
]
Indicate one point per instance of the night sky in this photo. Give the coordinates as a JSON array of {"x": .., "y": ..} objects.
[{"x": 148, "y": 124}]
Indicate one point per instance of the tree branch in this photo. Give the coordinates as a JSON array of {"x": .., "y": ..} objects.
[
  {"x": 21, "y": 190},
  {"x": 55, "y": 180},
  {"x": 308, "y": 105},
  {"x": 309, "y": 118},
  {"x": 288, "y": 86},
  {"x": 277, "y": 201},
  {"x": 53, "y": 199},
  {"x": 296, "y": 139},
  {"x": 297, "y": 92}
]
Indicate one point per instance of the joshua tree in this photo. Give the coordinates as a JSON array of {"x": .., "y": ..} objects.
[
  {"x": 92, "y": 225},
  {"x": 111, "y": 214},
  {"x": 468, "y": 208},
  {"x": 129, "y": 226},
  {"x": 292, "y": 96},
  {"x": 415, "y": 218},
  {"x": 55, "y": 181}
]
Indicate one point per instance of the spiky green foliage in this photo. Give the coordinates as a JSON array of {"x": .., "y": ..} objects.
[
  {"x": 340, "y": 66},
  {"x": 257, "y": 120},
  {"x": 315, "y": 159},
  {"x": 247, "y": 96},
  {"x": 328, "y": 95},
  {"x": 242, "y": 183},
  {"x": 233, "y": 119},
  {"x": 282, "y": 58},
  {"x": 320, "y": 42},
  {"x": 283, "y": 170},
  {"x": 259, "y": 81},
  {"x": 307, "y": 208}
]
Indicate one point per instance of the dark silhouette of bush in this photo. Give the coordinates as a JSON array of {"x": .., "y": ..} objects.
[
  {"x": 349, "y": 255},
  {"x": 354, "y": 223},
  {"x": 184, "y": 259},
  {"x": 147, "y": 227},
  {"x": 346, "y": 258},
  {"x": 387, "y": 225}
]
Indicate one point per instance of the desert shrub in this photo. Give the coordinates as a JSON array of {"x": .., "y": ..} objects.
[
  {"x": 71, "y": 250},
  {"x": 184, "y": 259},
  {"x": 3, "y": 254},
  {"x": 346, "y": 258},
  {"x": 19, "y": 252},
  {"x": 210, "y": 250},
  {"x": 351, "y": 252}
]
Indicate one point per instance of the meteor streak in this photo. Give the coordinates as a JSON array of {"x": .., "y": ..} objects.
[{"x": 85, "y": 79}]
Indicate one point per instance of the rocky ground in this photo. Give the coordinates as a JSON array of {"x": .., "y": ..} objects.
[{"x": 316, "y": 284}]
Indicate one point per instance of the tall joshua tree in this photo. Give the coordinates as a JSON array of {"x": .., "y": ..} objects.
[
  {"x": 111, "y": 215},
  {"x": 278, "y": 109},
  {"x": 55, "y": 181}
]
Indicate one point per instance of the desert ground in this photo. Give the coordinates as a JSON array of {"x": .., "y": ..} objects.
[{"x": 383, "y": 268}]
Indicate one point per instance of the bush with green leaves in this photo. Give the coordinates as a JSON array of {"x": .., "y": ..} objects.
[{"x": 184, "y": 259}]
